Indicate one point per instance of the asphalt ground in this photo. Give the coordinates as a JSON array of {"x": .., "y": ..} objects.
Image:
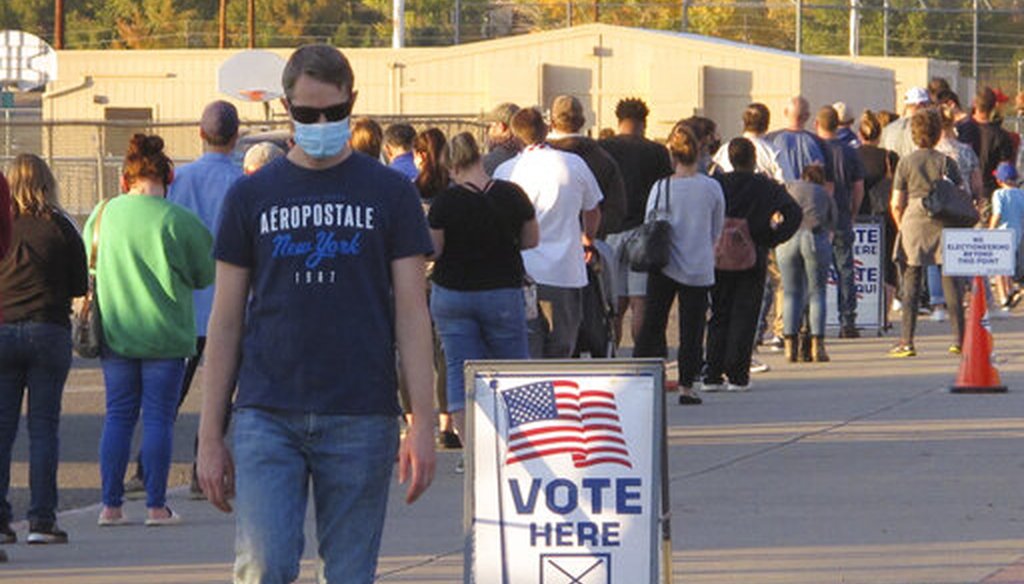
[{"x": 863, "y": 470}]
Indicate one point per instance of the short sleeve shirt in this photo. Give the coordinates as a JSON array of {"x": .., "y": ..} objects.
[
  {"x": 918, "y": 171},
  {"x": 1008, "y": 204},
  {"x": 481, "y": 236},
  {"x": 319, "y": 335}
]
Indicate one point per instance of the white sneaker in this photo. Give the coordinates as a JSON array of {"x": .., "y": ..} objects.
[
  {"x": 736, "y": 387},
  {"x": 939, "y": 315},
  {"x": 999, "y": 314},
  {"x": 897, "y": 306},
  {"x": 758, "y": 366},
  {"x": 460, "y": 466},
  {"x": 712, "y": 387}
]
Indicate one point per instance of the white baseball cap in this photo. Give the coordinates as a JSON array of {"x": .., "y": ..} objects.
[{"x": 916, "y": 96}]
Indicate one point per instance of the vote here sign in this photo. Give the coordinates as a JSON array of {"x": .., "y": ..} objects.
[
  {"x": 978, "y": 252},
  {"x": 564, "y": 474}
]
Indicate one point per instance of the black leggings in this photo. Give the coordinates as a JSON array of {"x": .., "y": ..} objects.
[{"x": 911, "y": 300}]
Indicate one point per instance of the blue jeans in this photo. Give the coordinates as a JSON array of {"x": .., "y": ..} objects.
[
  {"x": 804, "y": 262},
  {"x": 349, "y": 460},
  {"x": 36, "y": 356},
  {"x": 481, "y": 324},
  {"x": 842, "y": 249},
  {"x": 154, "y": 386},
  {"x": 935, "y": 294}
]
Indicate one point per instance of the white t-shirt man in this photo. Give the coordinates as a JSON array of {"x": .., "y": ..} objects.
[
  {"x": 767, "y": 159},
  {"x": 560, "y": 186}
]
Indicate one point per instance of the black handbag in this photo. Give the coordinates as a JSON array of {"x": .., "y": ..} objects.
[
  {"x": 648, "y": 249},
  {"x": 86, "y": 326},
  {"x": 950, "y": 205}
]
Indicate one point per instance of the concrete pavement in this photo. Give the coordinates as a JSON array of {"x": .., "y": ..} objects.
[{"x": 862, "y": 470}]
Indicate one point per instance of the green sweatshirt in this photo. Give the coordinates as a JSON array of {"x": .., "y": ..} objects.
[{"x": 151, "y": 255}]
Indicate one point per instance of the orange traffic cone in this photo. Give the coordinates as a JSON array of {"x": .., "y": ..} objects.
[{"x": 977, "y": 375}]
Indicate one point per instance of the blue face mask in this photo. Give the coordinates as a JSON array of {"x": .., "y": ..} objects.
[{"x": 322, "y": 140}]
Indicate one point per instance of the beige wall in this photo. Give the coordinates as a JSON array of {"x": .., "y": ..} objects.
[
  {"x": 917, "y": 72},
  {"x": 678, "y": 75}
]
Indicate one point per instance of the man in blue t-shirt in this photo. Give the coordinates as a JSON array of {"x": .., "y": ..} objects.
[{"x": 320, "y": 271}]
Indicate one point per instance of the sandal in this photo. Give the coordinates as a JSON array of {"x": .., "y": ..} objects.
[{"x": 172, "y": 519}]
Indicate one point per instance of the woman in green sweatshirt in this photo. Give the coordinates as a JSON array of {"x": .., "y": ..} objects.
[{"x": 151, "y": 255}]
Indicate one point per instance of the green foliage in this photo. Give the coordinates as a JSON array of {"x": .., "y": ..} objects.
[{"x": 366, "y": 23}]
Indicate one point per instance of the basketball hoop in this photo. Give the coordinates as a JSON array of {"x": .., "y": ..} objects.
[{"x": 253, "y": 94}]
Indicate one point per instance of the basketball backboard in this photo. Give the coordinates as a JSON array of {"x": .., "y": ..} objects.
[
  {"x": 252, "y": 76},
  {"x": 27, "y": 62}
]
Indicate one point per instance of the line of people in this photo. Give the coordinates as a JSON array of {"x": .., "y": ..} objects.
[{"x": 320, "y": 262}]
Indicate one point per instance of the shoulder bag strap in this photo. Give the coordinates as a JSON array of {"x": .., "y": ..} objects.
[{"x": 96, "y": 235}]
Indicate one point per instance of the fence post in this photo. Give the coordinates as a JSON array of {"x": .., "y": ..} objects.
[{"x": 100, "y": 174}]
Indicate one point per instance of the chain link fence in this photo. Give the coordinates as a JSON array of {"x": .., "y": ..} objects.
[{"x": 86, "y": 157}]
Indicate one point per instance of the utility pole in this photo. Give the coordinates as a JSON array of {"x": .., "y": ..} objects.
[
  {"x": 398, "y": 24},
  {"x": 597, "y": 10},
  {"x": 222, "y": 25},
  {"x": 799, "y": 25},
  {"x": 252, "y": 24},
  {"x": 686, "y": 16},
  {"x": 974, "y": 44},
  {"x": 854, "y": 28},
  {"x": 58, "y": 24},
  {"x": 458, "y": 19},
  {"x": 885, "y": 28}
]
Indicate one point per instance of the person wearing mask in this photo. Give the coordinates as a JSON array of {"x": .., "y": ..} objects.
[
  {"x": 398, "y": 140},
  {"x": 642, "y": 162},
  {"x": 478, "y": 227},
  {"x": 502, "y": 143},
  {"x": 736, "y": 295},
  {"x": 45, "y": 269},
  {"x": 200, "y": 187},
  {"x": 897, "y": 136},
  {"x": 567, "y": 121},
  {"x": 316, "y": 413},
  {"x": 259, "y": 156},
  {"x": 566, "y": 197},
  {"x": 696, "y": 208},
  {"x": 919, "y": 241},
  {"x": 804, "y": 261},
  {"x": 848, "y": 192},
  {"x": 151, "y": 255}
]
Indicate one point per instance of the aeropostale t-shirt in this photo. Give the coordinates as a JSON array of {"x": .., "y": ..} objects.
[{"x": 319, "y": 333}]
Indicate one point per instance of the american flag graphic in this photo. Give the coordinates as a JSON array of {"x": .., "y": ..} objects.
[{"x": 557, "y": 417}]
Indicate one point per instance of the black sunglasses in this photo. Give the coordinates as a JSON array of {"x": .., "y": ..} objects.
[{"x": 311, "y": 115}]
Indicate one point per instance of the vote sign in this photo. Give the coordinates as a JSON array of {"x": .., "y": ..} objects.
[{"x": 564, "y": 474}]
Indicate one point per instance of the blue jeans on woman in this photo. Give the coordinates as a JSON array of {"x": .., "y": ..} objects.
[
  {"x": 804, "y": 262},
  {"x": 152, "y": 385},
  {"x": 477, "y": 324},
  {"x": 36, "y": 356},
  {"x": 347, "y": 458}
]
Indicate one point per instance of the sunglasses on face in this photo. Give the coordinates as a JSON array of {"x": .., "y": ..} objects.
[{"x": 311, "y": 115}]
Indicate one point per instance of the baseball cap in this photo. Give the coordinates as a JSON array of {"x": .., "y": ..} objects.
[
  {"x": 916, "y": 96},
  {"x": 503, "y": 113},
  {"x": 220, "y": 120},
  {"x": 1005, "y": 173},
  {"x": 566, "y": 110},
  {"x": 841, "y": 109}
]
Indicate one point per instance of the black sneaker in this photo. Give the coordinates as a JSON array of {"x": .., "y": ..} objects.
[
  {"x": 3, "y": 556},
  {"x": 849, "y": 331},
  {"x": 43, "y": 532},
  {"x": 7, "y": 534},
  {"x": 449, "y": 440}
]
